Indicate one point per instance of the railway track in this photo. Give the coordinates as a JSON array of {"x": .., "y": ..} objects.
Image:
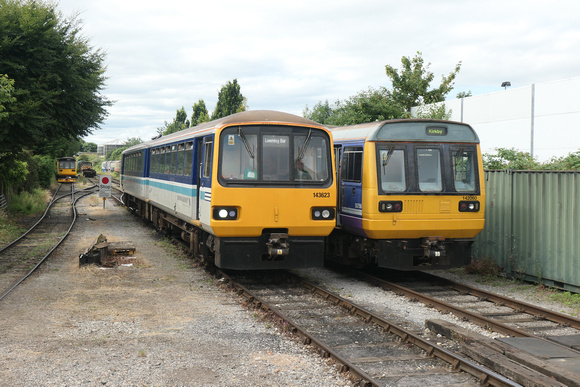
[
  {"x": 374, "y": 350},
  {"x": 548, "y": 341},
  {"x": 21, "y": 257},
  {"x": 488, "y": 310}
]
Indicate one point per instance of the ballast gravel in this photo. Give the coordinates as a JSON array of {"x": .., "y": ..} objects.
[
  {"x": 155, "y": 321},
  {"x": 158, "y": 320}
]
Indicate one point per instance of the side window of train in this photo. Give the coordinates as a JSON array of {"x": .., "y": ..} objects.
[
  {"x": 188, "y": 158},
  {"x": 352, "y": 164},
  {"x": 172, "y": 170},
  {"x": 180, "y": 159},
  {"x": 167, "y": 162},
  {"x": 207, "y": 147},
  {"x": 153, "y": 160}
]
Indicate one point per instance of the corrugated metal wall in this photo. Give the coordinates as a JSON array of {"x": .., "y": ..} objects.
[{"x": 531, "y": 225}]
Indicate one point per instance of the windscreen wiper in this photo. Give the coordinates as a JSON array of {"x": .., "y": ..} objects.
[
  {"x": 303, "y": 147},
  {"x": 246, "y": 144}
]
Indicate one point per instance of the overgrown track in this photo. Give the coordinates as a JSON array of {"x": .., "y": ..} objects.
[
  {"x": 549, "y": 340},
  {"x": 375, "y": 351},
  {"x": 21, "y": 257},
  {"x": 488, "y": 310}
]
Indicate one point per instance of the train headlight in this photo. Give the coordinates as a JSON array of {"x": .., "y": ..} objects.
[
  {"x": 225, "y": 213},
  {"x": 323, "y": 213},
  {"x": 468, "y": 206},
  {"x": 391, "y": 206}
]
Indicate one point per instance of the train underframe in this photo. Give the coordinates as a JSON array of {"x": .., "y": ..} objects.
[
  {"x": 399, "y": 254},
  {"x": 89, "y": 172},
  {"x": 66, "y": 179},
  {"x": 272, "y": 250}
]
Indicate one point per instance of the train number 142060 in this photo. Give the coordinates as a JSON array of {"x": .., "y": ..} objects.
[{"x": 321, "y": 194}]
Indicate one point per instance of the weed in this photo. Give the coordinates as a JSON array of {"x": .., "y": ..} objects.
[
  {"x": 8, "y": 229},
  {"x": 571, "y": 300},
  {"x": 29, "y": 203},
  {"x": 485, "y": 267}
]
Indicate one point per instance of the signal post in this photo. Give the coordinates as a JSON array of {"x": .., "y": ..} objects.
[{"x": 104, "y": 188}]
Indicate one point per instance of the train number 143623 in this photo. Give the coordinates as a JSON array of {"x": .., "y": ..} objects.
[{"x": 321, "y": 194}]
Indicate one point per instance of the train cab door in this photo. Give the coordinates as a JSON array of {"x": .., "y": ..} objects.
[
  {"x": 205, "y": 157},
  {"x": 351, "y": 184},
  {"x": 338, "y": 158}
]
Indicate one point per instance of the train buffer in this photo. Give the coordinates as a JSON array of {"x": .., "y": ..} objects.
[
  {"x": 102, "y": 252},
  {"x": 121, "y": 248}
]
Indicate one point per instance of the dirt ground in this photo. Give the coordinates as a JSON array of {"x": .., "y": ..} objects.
[{"x": 156, "y": 320}]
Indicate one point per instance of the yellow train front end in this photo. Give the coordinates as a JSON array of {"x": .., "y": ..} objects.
[
  {"x": 273, "y": 198},
  {"x": 412, "y": 194},
  {"x": 300, "y": 212},
  {"x": 66, "y": 170},
  {"x": 421, "y": 215}
]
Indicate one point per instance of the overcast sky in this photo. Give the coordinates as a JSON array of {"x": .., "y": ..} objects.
[{"x": 162, "y": 55}]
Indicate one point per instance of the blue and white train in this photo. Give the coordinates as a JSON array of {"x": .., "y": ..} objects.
[{"x": 254, "y": 190}]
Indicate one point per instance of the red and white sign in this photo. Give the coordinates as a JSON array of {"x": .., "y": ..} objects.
[{"x": 104, "y": 187}]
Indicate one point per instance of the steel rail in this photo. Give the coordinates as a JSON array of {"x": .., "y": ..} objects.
[
  {"x": 485, "y": 322},
  {"x": 484, "y": 375},
  {"x": 41, "y": 261},
  {"x": 365, "y": 380},
  {"x": 49, "y": 205},
  {"x": 53, "y": 200},
  {"x": 546, "y": 314},
  {"x": 443, "y": 306},
  {"x": 115, "y": 181}
]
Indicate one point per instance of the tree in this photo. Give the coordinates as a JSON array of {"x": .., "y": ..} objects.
[
  {"x": 6, "y": 90},
  {"x": 509, "y": 159},
  {"x": 321, "y": 112},
  {"x": 90, "y": 147},
  {"x": 570, "y": 162},
  {"x": 116, "y": 154},
  {"x": 200, "y": 113},
  {"x": 366, "y": 106},
  {"x": 230, "y": 101},
  {"x": 180, "y": 122},
  {"x": 436, "y": 112},
  {"x": 57, "y": 76},
  {"x": 410, "y": 88},
  {"x": 411, "y": 85},
  {"x": 463, "y": 94}
]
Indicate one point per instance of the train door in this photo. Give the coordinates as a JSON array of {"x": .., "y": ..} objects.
[
  {"x": 351, "y": 182},
  {"x": 197, "y": 171},
  {"x": 205, "y": 157},
  {"x": 337, "y": 158}
]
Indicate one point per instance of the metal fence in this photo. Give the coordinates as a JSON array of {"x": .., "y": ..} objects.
[
  {"x": 531, "y": 226},
  {"x": 3, "y": 202}
]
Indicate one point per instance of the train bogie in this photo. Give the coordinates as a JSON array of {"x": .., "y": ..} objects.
[
  {"x": 254, "y": 190},
  {"x": 411, "y": 193}
]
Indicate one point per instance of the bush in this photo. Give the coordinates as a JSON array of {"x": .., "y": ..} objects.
[
  {"x": 46, "y": 170},
  {"x": 484, "y": 267}
]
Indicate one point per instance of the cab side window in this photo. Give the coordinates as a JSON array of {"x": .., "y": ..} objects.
[{"x": 352, "y": 164}]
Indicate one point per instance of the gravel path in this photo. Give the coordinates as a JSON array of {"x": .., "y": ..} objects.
[{"x": 159, "y": 321}]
